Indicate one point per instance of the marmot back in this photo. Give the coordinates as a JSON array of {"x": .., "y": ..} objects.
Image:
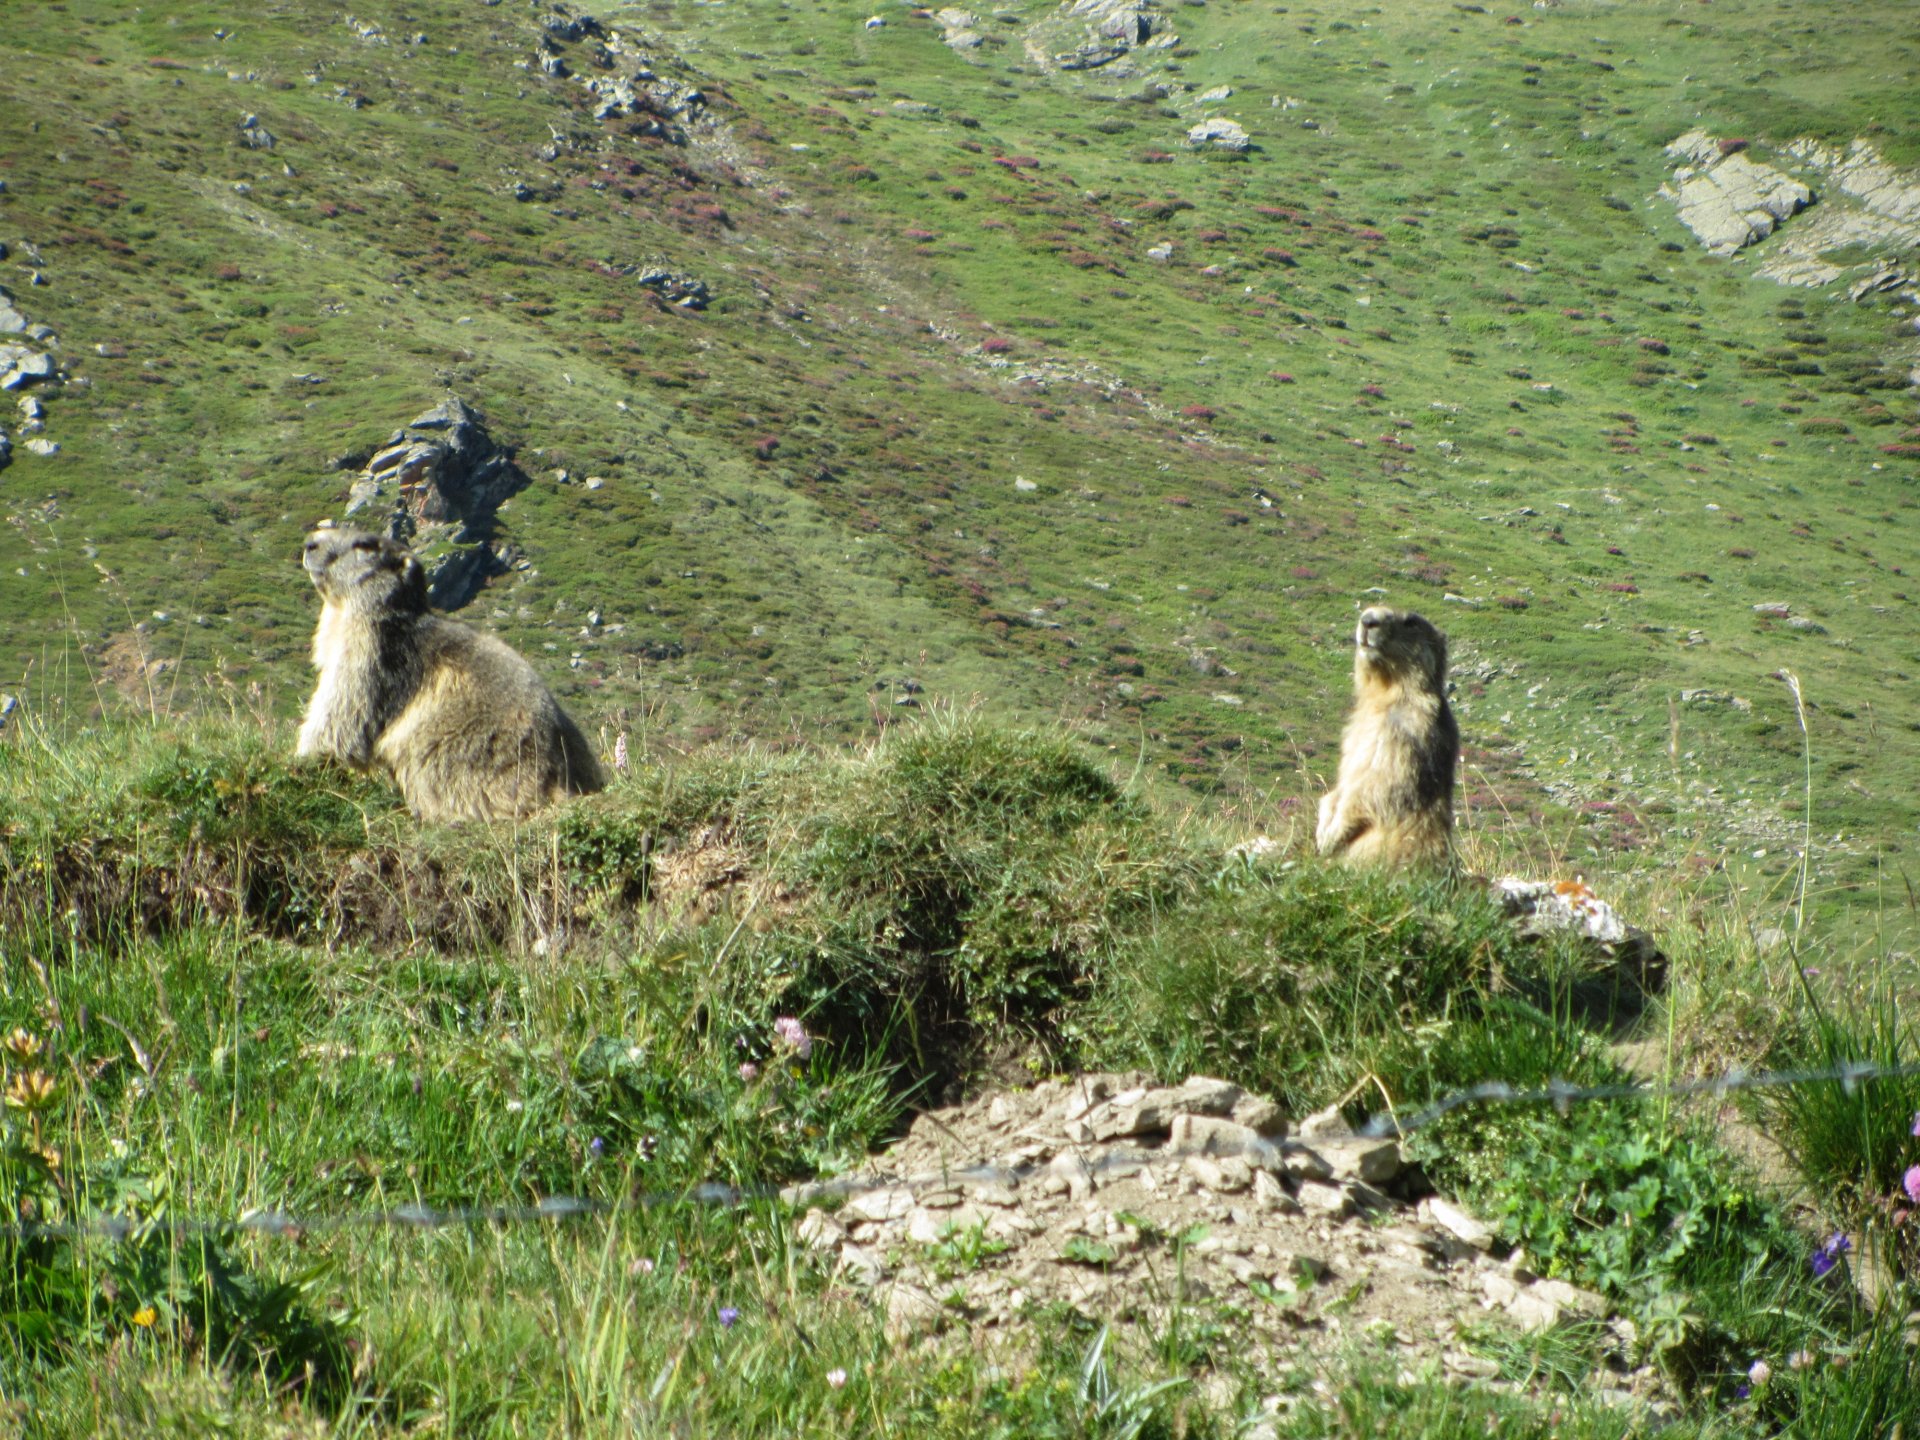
[
  {"x": 1393, "y": 801},
  {"x": 461, "y": 722}
]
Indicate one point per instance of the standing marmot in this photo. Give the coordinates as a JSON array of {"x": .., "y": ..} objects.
[
  {"x": 1393, "y": 802},
  {"x": 460, "y": 722}
]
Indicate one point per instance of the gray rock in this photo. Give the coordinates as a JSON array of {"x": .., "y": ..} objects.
[
  {"x": 6, "y": 450},
  {"x": 254, "y": 135},
  {"x": 911, "y": 1311},
  {"x": 820, "y": 1231},
  {"x": 1318, "y": 1198},
  {"x": 12, "y": 322},
  {"x": 1327, "y": 1124},
  {"x": 886, "y": 1204},
  {"x": 1219, "y": 134},
  {"x": 1457, "y": 1223},
  {"x": 22, "y": 365},
  {"x": 1372, "y": 1162},
  {"x": 40, "y": 445},
  {"x": 862, "y": 1266},
  {"x": 1215, "y": 95},
  {"x": 437, "y": 484}
]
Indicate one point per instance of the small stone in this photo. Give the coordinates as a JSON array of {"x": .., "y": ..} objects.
[
  {"x": 862, "y": 1266},
  {"x": 1223, "y": 1176},
  {"x": 1318, "y": 1198},
  {"x": 1373, "y": 1162},
  {"x": 40, "y": 445},
  {"x": 1327, "y": 1124},
  {"x": 880, "y": 1205},
  {"x": 820, "y": 1231},
  {"x": 1069, "y": 1169},
  {"x": 1259, "y": 1114},
  {"x": 1569, "y": 1297},
  {"x": 1304, "y": 1164},
  {"x": 911, "y": 1311},
  {"x": 1533, "y": 1312},
  {"x": 1210, "y": 1135},
  {"x": 1456, "y": 1222},
  {"x": 1270, "y": 1194},
  {"x": 1003, "y": 1111},
  {"x": 1498, "y": 1288}
]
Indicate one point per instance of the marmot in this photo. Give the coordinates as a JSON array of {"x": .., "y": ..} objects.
[
  {"x": 460, "y": 722},
  {"x": 1393, "y": 802}
]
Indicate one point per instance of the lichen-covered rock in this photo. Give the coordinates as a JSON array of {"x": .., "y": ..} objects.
[{"x": 1219, "y": 134}]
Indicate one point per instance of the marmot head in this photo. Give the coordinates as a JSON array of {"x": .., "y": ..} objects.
[
  {"x": 1395, "y": 646},
  {"x": 365, "y": 572}
]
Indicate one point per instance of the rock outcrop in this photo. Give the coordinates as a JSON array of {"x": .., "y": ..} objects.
[
  {"x": 1091, "y": 34},
  {"x": 1218, "y": 134},
  {"x": 1854, "y": 203},
  {"x": 1727, "y": 199},
  {"x": 625, "y": 76},
  {"x": 436, "y": 484}
]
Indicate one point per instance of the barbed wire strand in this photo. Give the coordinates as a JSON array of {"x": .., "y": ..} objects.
[{"x": 559, "y": 1208}]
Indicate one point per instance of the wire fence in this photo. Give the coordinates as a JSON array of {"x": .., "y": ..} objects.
[{"x": 559, "y": 1208}]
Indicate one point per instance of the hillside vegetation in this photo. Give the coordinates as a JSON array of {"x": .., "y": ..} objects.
[
  {"x": 956, "y": 488},
  {"x": 945, "y": 422}
]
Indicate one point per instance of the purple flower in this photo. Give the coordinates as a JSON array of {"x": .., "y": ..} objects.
[
  {"x": 792, "y": 1034},
  {"x": 1741, "y": 1392},
  {"x": 749, "y": 1071},
  {"x": 597, "y": 1146},
  {"x": 1916, "y": 1122},
  {"x": 1829, "y": 1253},
  {"x": 728, "y": 1316},
  {"x": 1910, "y": 1182}
]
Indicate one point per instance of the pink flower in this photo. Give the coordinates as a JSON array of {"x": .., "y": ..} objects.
[
  {"x": 620, "y": 751},
  {"x": 1910, "y": 1182},
  {"x": 792, "y": 1034},
  {"x": 749, "y": 1071},
  {"x": 837, "y": 1378}
]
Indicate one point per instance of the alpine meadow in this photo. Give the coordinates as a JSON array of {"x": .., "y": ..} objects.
[{"x": 935, "y": 458}]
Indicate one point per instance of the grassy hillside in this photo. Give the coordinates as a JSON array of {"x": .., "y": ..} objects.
[
  {"x": 945, "y": 420},
  {"x": 229, "y": 986}
]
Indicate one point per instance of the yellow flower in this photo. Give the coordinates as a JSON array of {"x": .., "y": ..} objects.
[
  {"x": 145, "y": 1316},
  {"x": 29, "y": 1090},
  {"x": 22, "y": 1046}
]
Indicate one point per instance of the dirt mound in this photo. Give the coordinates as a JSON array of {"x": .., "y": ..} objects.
[{"x": 1144, "y": 1206}]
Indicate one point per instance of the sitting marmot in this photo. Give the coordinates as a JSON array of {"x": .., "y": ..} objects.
[
  {"x": 460, "y": 721},
  {"x": 1393, "y": 802}
]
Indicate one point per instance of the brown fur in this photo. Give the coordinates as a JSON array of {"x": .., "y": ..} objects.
[
  {"x": 460, "y": 722},
  {"x": 1393, "y": 801}
]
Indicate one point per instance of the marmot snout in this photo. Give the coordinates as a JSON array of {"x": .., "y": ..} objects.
[
  {"x": 462, "y": 723},
  {"x": 1393, "y": 800}
]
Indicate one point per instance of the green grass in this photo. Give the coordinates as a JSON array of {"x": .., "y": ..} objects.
[
  {"x": 883, "y": 539},
  {"x": 532, "y": 1024},
  {"x": 1455, "y": 270}
]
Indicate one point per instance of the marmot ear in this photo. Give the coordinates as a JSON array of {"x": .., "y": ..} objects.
[{"x": 413, "y": 583}]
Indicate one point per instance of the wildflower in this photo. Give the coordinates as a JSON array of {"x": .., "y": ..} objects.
[
  {"x": 620, "y": 751},
  {"x": 642, "y": 1266},
  {"x": 597, "y": 1146},
  {"x": 1910, "y": 1182},
  {"x": 29, "y": 1090},
  {"x": 1741, "y": 1392},
  {"x": 1759, "y": 1372},
  {"x": 145, "y": 1316},
  {"x": 749, "y": 1071},
  {"x": 25, "y": 1048},
  {"x": 837, "y": 1378},
  {"x": 1916, "y": 1121},
  {"x": 1829, "y": 1253},
  {"x": 729, "y": 1316},
  {"x": 792, "y": 1034},
  {"x": 1800, "y": 1360}
]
